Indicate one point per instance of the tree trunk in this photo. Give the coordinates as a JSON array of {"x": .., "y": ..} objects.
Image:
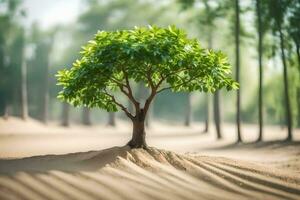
[
  {"x": 65, "y": 115},
  {"x": 207, "y": 111},
  {"x": 298, "y": 55},
  {"x": 216, "y": 95},
  {"x": 260, "y": 52},
  {"x": 24, "y": 100},
  {"x": 217, "y": 116},
  {"x": 86, "y": 116},
  {"x": 138, "y": 139},
  {"x": 207, "y": 120},
  {"x": 237, "y": 63},
  {"x": 298, "y": 91},
  {"x": 286, "y": 86},
  {"x": 111, "y": 119},
  {"x": 46, "y": 94},
  {"x": 188, "y": 117}
]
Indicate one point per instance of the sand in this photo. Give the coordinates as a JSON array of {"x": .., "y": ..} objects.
[{"x": 194, "y": 166}]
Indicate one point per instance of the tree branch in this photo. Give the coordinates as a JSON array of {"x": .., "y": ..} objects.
[
  {"x": 130, "y": 94},
  {"x": 148, "y": 101},
  {"x": 119, "y": 104},
  {"x": 154, "y": 89},
  {"x": 165, "y": 77},
  {"x": 148, "y": 76},
  {"x": 190, "y": 79}
]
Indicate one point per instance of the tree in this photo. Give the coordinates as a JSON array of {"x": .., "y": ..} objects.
[
  {"x": 9, "y": 31},
  {"x": 24, "y": 96},
  {"x": 277, "y": 10},
  {"x": 294, "y": 33},
  {"x": 161, "y": 58},
  {"x": 237, "y": 65},
  {"x": 206, "y": 18},
  {"x": 260, "y": 51}
]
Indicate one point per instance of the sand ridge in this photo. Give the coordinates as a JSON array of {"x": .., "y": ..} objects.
[{"x": 122, "y": 173}]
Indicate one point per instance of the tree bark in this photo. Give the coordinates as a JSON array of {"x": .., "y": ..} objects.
[
  {"x": 260, "y": 52},
  {"x": 237, "y": 63},
  {"x": 188, "y": 116},
  {"x": 24, "y": 98},
  {"x": 111, "y": 119},
  {"x": 217, "y": 116},
  {"x": 138, "y": 139},
  {"x": 286, "y": 86},
  {"x": 65, "y": 115},
  {"x": 86, "y": 116}
]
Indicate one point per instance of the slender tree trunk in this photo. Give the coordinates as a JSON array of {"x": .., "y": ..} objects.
[
  {"x": 207, "y": 110},
  {"x": 65, "y": 115},
  {"x": 217, "y": 116},
  {"x": 138, "y": 139},
  {"x": 207, "y": 113},
  {"x": 298, "y": 55},
  {"x": 86, "y": 116},
  {"x": 46, "y": 94},
  {"x": 111, "y": 119},
  {"x": 24, "y": 98},
  {"x": 237, "y": 53},
  {"x": 260, "y": 52},
  {"x": 216, "y": 96},
  {"x": 3, "y": 73},
  {"x": 298, "y": 91},
  {"x": 188, "y": 117},
  {"x": 286, "y": 86}
]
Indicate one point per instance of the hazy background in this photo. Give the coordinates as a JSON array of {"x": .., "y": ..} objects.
[{"x": 51, "y": 32}]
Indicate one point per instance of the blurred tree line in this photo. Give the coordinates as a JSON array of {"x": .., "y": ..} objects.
[{"x": 261, "y": 37}]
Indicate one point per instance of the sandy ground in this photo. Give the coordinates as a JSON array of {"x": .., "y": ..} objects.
[{"x": 92, "y": 163}]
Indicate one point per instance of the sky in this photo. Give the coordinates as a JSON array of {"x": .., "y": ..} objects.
[{"x": 51, "y": 12}]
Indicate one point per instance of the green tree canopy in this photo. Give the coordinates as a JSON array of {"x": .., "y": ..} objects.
[{"x": 162, "y": 58}]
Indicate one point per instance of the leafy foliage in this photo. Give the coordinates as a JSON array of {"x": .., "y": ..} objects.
[{"x": 162, "y": 58}]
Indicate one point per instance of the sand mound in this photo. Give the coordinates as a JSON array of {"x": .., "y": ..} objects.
[{"x": 121, "y": 173}]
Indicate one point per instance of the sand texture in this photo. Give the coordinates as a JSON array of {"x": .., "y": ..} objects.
[
  {"x": 121, "y": 173},
  {"x": 84, "y": 165}
]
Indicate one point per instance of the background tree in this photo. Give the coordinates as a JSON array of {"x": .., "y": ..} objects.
[
  {"x": 277, "y": 11},
  {"x": 155, "y": 56},
  {"x": 188, "y": 113},
  {"x": 237, "y": 65},
  {"x": 262, "y": 26},
  {"x": 24, "y": 96},
  {"x": 111, "y": 119},
  {"x": 65, "y": 118},
  {"x": 294, "y": 33},
  {"x": 86, "y": 116},
  {"x": 206, "y": 18},
  {"x": 10, "y": 57}
]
